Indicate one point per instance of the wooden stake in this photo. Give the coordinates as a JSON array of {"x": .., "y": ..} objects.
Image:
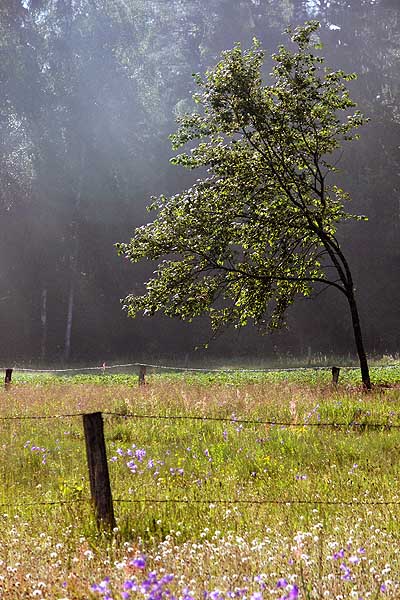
[
  {"x": 335, "y": 375},
  {"x": 7, "y": 380},
  {"x": 98, "y": 470},
  {"x": 142, "y": 375}
]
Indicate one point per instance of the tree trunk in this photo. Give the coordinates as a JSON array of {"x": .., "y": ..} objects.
[
  {"x": 74, "y": 257},
  {"x": 342, "y": 267},
  {"x": 70, "y": 312},
  {"x": 358, "y": 338},
  {"x": 43, "y": 319}
]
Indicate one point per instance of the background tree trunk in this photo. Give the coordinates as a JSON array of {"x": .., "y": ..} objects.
[
  {"x": 43, "y": 319},
  {"x": 73, "y": 258}
]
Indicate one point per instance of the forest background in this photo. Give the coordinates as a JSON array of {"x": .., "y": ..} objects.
[{"x": 89, "y": 93}]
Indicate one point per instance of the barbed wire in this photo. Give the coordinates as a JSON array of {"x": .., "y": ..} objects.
[
  {"x": 202, "y": 418},
  {"x": 260, "y": 501},
  {"x": 44, "y": 503},
  {"x": 235, "y": 421},
  {"x": 39, "y": 417},
  {"x": 210, "y": 501},
  {"x": 105, "y": 367}
]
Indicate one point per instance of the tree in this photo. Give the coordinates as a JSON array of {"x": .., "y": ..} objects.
[{"x": 260, "y": 228}]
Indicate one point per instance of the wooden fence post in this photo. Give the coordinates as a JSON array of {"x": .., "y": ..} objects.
[
  {"x": 142, "y": 375},
  {"x": 98, "y": 470},
  {"x": 335, "y": 375},
  {"x": 7, "y": 380}
]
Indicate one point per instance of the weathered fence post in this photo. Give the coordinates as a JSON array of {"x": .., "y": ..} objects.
[
  {"x": 98, "y": 470},
  {"x": 335, "y": 375},
  {"x": 142, "y": 375},
  {"x": 7, "y": 380}
]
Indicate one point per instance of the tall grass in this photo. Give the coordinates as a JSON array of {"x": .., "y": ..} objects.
[{"x": 224, "y": 506}]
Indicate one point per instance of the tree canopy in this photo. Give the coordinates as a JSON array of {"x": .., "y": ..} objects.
[{"x": 259, "y": 229}]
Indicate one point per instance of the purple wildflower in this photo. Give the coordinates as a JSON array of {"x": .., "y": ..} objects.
[
  {"x": 216, "y": 595},
  {"x": 139, "y": 563},
  {"x": 140, "y": 453},
  {"x": 346, "y": 572},
  {"x": 131, "y": 466},
  {"x": 102, "y": 588},
  {"x": 130, "y": 585},
  {"x": 354, "y": 559},
  {"x": 294, "y": 593}
]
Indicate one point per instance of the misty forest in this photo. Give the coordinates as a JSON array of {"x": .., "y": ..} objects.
[{"x": 90, "y": 93}]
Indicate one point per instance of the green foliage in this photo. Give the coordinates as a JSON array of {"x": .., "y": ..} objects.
[{"x": 259, "y": 230}]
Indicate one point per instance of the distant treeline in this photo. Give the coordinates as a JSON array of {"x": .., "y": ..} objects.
[{"x": 89, "y": 94}]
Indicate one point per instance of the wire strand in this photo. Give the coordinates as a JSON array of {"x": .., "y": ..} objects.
[
  {"x": 248, "y": 501},
  {"x": 105, "y": 367},
  {"x": 333, "y": 425}
]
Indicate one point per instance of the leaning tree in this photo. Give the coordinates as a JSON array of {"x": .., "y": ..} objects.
[{"x": 260, "y": 228}]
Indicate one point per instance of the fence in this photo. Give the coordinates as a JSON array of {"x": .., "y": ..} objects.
[
  {"x": 101, "y": 494},
  {"x": 142, "y": 370}
]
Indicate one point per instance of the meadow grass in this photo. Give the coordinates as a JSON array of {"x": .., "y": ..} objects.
[{"x": 278, "y": 506}]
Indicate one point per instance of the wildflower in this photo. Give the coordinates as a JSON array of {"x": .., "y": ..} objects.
[
  {"x": 102, "y": 588},
  {"x": 139, "y": 563},
  {"x": 130, "y": 585},
  {"x": 140, "y": 453},
  {"x": 216, "y": 595},
  {"x": 294, "y": 593},
  {"x": 131, "y": 466},
  {"x": 346, "y": 572},
  {"x": 187, "y": 594}
]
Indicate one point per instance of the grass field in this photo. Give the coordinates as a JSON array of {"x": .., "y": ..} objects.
[{"x": 301, "y": 500}]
